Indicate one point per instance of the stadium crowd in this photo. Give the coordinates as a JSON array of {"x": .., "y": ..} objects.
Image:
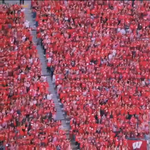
[
  {"x": 98, "y": 53},
  {"x": 27, "y": 111}
]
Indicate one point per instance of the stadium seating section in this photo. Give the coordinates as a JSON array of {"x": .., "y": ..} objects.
[
  {"x": 99, "y": 55},
  {"x": 27, "y": 114}
]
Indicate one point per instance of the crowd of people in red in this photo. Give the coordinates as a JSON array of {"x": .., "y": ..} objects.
[
  {"x": 27, "y": 113},
  {"x": 100, "y": 55}
]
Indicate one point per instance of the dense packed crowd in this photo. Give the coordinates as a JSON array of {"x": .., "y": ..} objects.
[
  {"x": 99, "y": 52},
  {"x": 27, "y": 112}
]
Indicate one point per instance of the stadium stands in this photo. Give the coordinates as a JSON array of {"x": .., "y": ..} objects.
[
  {"x": 98, "y": 53},
  {"x": 27, "y": 112}
]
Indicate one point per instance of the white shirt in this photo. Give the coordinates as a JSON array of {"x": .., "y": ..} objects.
[
  {"x": 122, "y": 31},
  {"x": 49, "y": 60},
  {"x": 31, "y": 60},
  {"x": 26, "y": 24},
  {"x": 22, "y": 10},
  {"x": 23, "y": 38},
  {"x": 43, "y": 79},
  {"x": 113, "y": 52},
  {"x": 49, "y": 96},
  {"x": 54, "y": 78}
]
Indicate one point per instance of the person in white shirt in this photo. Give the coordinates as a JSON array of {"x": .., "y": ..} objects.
[
  {"x": 49, "y": 60},
  {"x": 122, "y": 31},
  {"x": 23, "y": 38},
  {"x": 27, "y": 24},
  {"x": 49, "y": 96}
]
